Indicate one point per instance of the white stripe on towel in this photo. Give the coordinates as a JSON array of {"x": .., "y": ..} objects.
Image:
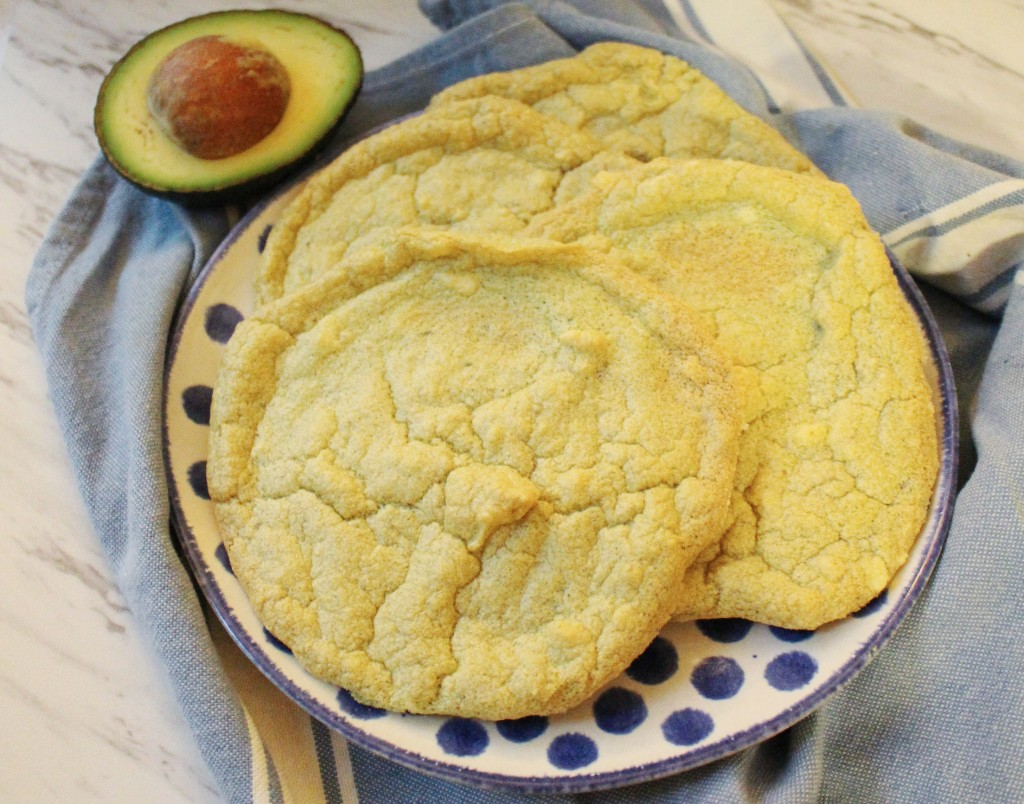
[
  {"x": 967, "y": 247},
  {"x": 961, "y": 208},
  {"x": 260, "y": 775},
  {"x": 346, "y": 778}
]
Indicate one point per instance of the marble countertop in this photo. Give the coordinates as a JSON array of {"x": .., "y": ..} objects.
[{"x": 87, "y": 716}]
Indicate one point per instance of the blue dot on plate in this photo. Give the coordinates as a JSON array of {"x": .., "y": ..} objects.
[
  {"x": 790, "y": 634},
  {"x": 619, "y": 711},
  {"x": 222, "y": 556},
  {"x": 790, "y": 671},
  {"x": 874, "y": 605},
  {"x": 717, "y": 677},
  {"x": 572, "y": 751},
  {"x": 261, "y": 242},
  {"x": 462, "y": 737},
  {"x": 351, "y": 706},
  {"x": 729, "y": 629},
  {"x": 523, "y": 729},
  {"x": 656, "y": 664},
  {"x": 277, "y": 643},
  {"x": 197, "y": 479},
  {"x": 221, "y": 320},
  {"x": 196, "y": 400},
  {"x": 687, "y": 726}
]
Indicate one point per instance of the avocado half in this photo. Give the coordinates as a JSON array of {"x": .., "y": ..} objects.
[{"x": 325, "y": 72}]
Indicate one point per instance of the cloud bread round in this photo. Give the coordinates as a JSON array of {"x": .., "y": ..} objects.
[
  {"x": 838, "y": 457},
  {"x": 468, "y": 478},
  {"x": 485, "y": 164},
  {"x": 641, "y": 102}
]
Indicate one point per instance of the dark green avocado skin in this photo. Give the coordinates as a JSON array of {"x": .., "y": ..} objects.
[{"x": 246, "y": 189}]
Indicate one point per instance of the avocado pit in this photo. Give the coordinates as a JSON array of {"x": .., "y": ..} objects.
[{"x": 216, "y": 98}]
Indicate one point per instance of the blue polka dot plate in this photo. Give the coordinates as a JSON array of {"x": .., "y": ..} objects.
[{"x": 701, "y": 691}]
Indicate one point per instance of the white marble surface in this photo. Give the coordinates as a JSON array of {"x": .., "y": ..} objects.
[{"x": 86, "y": 713}]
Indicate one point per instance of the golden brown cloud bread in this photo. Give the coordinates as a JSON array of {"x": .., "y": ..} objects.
[
  {"x": 839, "y": 455},
  {"x": 474, "y": 487},
  {"x": 641, "y": 102},
  {"x": 487, "y": 164}
]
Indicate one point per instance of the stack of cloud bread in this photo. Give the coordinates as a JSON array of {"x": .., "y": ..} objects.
[{"x": 580, "y": 349}]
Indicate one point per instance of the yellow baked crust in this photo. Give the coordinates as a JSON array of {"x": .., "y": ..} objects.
[
  {"x": 641, "y": 102},
  {"x": 492, "y": 152},
  {"x": 468, "y": 477},
  {"x": 486, "y": 164},
  {"x": 838, "y": 457}
]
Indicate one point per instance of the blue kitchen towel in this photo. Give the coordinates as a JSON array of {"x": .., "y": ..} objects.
[{"x": 937, "y": 716}]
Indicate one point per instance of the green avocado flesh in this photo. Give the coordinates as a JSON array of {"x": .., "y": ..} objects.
[{"x": 325, "y": 72}]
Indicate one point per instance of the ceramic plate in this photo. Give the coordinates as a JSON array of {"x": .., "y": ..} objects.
[{"x": 701, "y": 691}]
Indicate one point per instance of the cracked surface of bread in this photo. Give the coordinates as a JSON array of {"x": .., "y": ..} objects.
[
  {"x": 486, "y": 164},
  {"x": 468, "y": 477},
  {"x": 641, "y": 102},
  {"x": 839, "y": 453}
]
